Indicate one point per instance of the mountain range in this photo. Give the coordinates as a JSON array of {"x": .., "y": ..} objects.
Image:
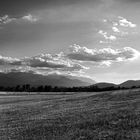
[
  {"x": 21, "y": 78},
  {"x": 126, "y": 84},
  {"x": 130, "y": 83}
]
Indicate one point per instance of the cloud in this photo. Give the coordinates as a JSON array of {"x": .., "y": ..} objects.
[
  {"x": 30, "y": 18},
  {"x": 8, "y": 60},
  {"x": 115, "y": 29},
  {"x": 45, "y": 72},
  {"x": 125, "y": 23},
  {"x": 43, "y": 61},
  {"x": 6, "y": 19},
  {"x": 57, "y": 62},
  {"x": 102, "y": 56},
  {"x": 106, "y": 36},
  {"x": 72, "y": 62}
]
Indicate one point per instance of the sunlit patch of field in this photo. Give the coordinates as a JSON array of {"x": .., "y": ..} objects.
[{"x": 113, "y": 115}]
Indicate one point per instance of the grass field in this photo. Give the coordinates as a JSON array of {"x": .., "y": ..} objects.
[{"x": 113, "y": 115}]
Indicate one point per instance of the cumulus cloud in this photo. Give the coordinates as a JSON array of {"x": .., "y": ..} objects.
[
  {"x": 115, "y": 29},
  {"x": 57, "y": 61},
  {"x": 8, "y": 60},
  {"x": 125, "y": 23},
  {"x": 44, "y": 62},
  {"x": 30, "y": 18},
  {"x": 106, "y": 36},
  {"x": 105, "y": 55},
  {"x": 69, "y": 63}
]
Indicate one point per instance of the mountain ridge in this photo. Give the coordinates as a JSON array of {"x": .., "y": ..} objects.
[
  {"x": 21, "y": 78},
  {"x": 126, "y": 84},
  {"x": 130, "y": 83}
]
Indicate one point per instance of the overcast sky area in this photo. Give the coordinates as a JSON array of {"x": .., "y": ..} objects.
[{"x": 99, "y": 39}]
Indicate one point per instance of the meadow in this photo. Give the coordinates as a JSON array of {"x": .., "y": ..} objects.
[{"x": 109, "y": 115}]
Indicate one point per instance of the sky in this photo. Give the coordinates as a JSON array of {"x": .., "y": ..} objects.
[{"x": 98, "y": 39}]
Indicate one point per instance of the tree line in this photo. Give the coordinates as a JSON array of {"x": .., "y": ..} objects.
[{"x": 47, "y": 88}]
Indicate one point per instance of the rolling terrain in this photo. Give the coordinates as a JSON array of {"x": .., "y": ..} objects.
[
  {"x": 126, "y": 84},
  {"x": 21, "y": 78},
  {"x": 130, "y": 83},
  {"x": 113, "y": 115},
  {"x": 105, "y": 85}
]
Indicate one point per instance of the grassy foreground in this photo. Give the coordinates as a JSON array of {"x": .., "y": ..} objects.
[{"x": 113, "y": 115}]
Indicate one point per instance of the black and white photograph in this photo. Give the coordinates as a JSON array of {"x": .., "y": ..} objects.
[{"x": 69, "y": 69}]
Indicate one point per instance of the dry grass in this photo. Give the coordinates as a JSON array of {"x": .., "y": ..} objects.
[{"x": 71, "y": 116}]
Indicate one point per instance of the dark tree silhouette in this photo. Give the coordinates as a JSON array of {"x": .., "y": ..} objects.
[{"x": 48, "y": 88}]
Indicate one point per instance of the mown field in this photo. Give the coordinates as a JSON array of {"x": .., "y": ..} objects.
[{"x": 113, "y": 115}]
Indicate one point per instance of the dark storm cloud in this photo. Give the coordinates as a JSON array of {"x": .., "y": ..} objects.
[{"x": 20, "y": 7}]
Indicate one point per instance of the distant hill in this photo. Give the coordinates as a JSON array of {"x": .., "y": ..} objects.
[
  {"x": 21, "y": 78},
  {"x": 126, "y": 84},
  {"x": 105, "y": 85},
  {"x": 130, "y": 83}
]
